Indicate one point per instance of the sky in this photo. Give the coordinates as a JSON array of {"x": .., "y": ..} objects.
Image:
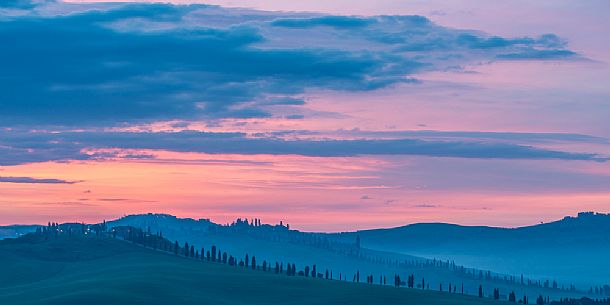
[{"x": 327, "y": 115}]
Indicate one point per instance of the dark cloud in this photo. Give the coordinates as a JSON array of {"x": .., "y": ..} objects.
[
  {"x": 295, "y": 117},
  {"x": 71, "y": 69},
  {"x": 33, "y": 180},
  {"x": 21, "y": 4},
  {"x": 331, "y": 21},
  {"x": 112, "y": 64},
  {"x": 537, "y": 54},
  {"x": 24, "y": 147}
]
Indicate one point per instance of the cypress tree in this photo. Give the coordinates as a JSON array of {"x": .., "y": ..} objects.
[{"x": 511, "y": 297}]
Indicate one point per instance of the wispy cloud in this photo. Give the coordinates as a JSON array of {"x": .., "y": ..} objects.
[{"x": 34, "y": 180}]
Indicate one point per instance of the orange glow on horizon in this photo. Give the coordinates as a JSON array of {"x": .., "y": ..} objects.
[{"x": 293, "y": 189}]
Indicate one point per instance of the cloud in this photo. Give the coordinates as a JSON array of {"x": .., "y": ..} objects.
[
  {"x": 25, "y": 147},
  {"x": 33, "y": 180},
  {"x": 65, "y": 204},
  {"x": 295, "y": 117},
  {"x": 426, "y": 206},
  {"x": 537, "y": 55},
  {"x": 330, "y": 21},
  {"x": 20, "y": 4},
  {"x": 113, "y": 64},
  {"x": 515, "y": 137}
]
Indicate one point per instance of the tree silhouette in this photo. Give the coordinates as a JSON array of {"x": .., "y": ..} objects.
[{"x": 512, "y": 297}]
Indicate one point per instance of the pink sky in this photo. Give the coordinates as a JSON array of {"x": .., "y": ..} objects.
[{"x": 335, "y": 193}]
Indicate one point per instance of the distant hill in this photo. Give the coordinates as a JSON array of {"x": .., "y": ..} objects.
[
  {"x": 106, "y": 271},
  {"x": 573, "y": 249},
  {"x": 15, "y": 230}
]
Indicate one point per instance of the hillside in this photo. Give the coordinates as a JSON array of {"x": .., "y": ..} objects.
[
  {"x": 340, "y": 253},
  {"x": 574, "y": 249},
  {"x": 560, "y": 251},
  {"x": 109, "y": 271}
]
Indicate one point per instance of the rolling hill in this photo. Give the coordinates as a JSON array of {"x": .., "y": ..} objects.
[
  {"x": 340, "y": 253},
  {"x": 570, "y": 251},
  {"x": 100, "y": 270},
  {"x": 574, "y": 249}
]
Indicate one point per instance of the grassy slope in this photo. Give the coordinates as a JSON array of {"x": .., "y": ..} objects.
[{"x": 94, "y": 271}]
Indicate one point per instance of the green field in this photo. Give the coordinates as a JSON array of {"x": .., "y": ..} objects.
[{"x": 105, "y": 271}]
